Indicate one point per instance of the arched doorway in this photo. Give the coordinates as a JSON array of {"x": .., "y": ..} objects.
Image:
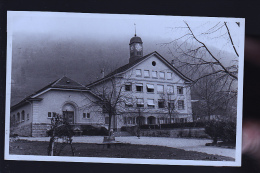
[
  {"x": 151, "y": 120},
  {"x": 68, "y": 111},
  {"x": 140, "y": 120}
]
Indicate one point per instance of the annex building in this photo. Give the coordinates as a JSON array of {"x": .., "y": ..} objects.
[{"x": 147, "y": 90}]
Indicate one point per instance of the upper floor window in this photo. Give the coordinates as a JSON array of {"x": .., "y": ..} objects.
[
  {"x": 150, "y": 88},
  {"x": 180, "y": 104},
  {"x": 154, "y": 74},
  {"x": 160, "y": 88},
  {"x": 171, "y": 104},
  {"x": 138, "y": 72},
  {"x": 129, "y": 102},
  {"x": 161, "y": 103},
  {"x": 169, "y": 75},
  {"x": 170, "y": 89},
  {"x": 140, "y": 102},
  {"x": 150, "y": 103},
  {"x": 139, "y": 87},
  {"x": 162, "y": 75},
  {"x": 128, "y": 86},
  {"x": 146, "y": 73},
  {"x": 179, "y": 89}
]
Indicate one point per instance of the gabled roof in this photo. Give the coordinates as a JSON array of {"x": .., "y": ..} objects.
[
  {"x": 64, "y": 83},
  {"x": 132, "y": 64}
]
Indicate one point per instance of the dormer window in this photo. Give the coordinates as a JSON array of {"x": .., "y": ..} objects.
[{"x": 138, "y": 72}]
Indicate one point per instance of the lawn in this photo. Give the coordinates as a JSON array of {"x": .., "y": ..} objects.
[{"x": 23, "y": 147}]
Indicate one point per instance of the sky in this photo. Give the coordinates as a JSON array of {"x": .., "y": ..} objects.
[{"x": 47, "y": 45}]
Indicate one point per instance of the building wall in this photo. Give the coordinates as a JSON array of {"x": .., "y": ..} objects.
[
  {"x": 54, "y": 100},
  {"x": 20, "y": 126},
  {"x": 131, "y": 77}
]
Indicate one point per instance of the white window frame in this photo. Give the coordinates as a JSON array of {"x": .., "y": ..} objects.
[
  {"x": 158, "y": 86},
  {"x": 150, "y": 86},
  {"x": 156, "y": 75},
  {"x": 161, "y": 72},
  {"x": 169, "y": 90},
  {"x": 169, "y": 78},
  {"x": 138, "y": 75},
  {"x": 148, "y": 73}
]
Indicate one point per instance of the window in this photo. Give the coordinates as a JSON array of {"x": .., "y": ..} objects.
[
  {"x": 128, "y": 87},
  {"x": 180, "y": 104},
  {"x": 125, "y": 120},
  {"x": 161, "y": 103},
  {"x": 171, "y": 104},
  {"x": 146, "y": 73},
  {"x": 179, "y": 90},
  {"x": 139, "y": 87},
  {"x": 51, "y": 114},
  {"x": 18, "y": 117},
  {"x": 150, "y": 88},
  {"x": 150, "y": 103},
  {"x": 162, "y": 75},
  {"x": 170, "y": 89},
  {"x": 160, "y": 88},
  {"x": 169, "y": 75},
  {"x": 140, "y": 102},
  {"x": 106, "y": 120},
  {"x": 28, "y": 116},
  {"x": 138, "y": 72},
  {"x": 154, "y": 63},
  {"x": 84, "y": 115},
  {"x": 23, "y": 116},
  {"x": 88, "y": 115},
  {"x": 129, "y": 102},
  {"x": 154, "y": 74}
]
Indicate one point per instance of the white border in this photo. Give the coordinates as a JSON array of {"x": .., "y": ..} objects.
[{"x": 237, "y": 161}]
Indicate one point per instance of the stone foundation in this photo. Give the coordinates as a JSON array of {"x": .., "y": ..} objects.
[
  {"x": 40, "y": 129},
  {"x": 22, "y": 130}
]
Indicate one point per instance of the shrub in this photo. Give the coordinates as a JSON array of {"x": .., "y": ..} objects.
[{"x": 221, "y": 130}]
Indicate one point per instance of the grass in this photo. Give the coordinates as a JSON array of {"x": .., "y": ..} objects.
[{"x": 22, "y": 147}]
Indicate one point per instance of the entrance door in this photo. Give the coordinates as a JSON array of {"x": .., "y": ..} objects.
[{"x": 69, "y": 115}]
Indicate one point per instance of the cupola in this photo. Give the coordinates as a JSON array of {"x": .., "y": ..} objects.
[{"x": 136, "y": 48}]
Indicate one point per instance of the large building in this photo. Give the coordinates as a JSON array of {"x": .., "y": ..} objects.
[{"x": 147, "y": 90}]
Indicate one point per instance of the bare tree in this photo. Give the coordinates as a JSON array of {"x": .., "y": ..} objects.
[{"x": 197, "y": 60}]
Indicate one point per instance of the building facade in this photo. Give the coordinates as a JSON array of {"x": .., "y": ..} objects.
[
  {"x": 147, "y": 90},
  {"x": 150, "y": 90}
]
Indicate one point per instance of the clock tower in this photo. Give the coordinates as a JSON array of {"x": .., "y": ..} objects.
[{"x": 136, "y": 48}]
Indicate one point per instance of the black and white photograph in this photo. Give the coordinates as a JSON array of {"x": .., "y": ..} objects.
[{"x": 124, "y": 88}]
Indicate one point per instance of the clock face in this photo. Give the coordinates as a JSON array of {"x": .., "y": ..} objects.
[
  {"x": 132, "y": 48},
  {"x": 138, "y": 47}
]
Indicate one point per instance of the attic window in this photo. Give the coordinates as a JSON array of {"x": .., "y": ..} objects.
[
  {"x": 154, "y": 63},
  {"x": 68, "y": 81}
]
